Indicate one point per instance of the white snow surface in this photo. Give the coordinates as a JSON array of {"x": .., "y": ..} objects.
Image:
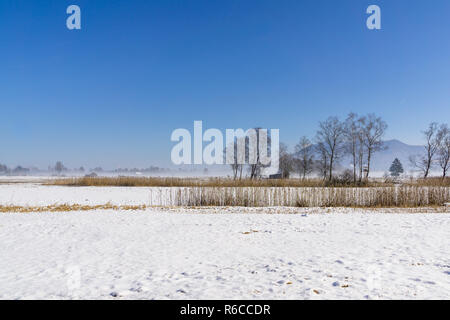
[
  {"x": 162, "y": 254},
  {"x": 30, "y": 194}
]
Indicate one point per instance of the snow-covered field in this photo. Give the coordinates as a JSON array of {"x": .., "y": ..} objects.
[
  {"x": 30, "y": 194},
  {"x": 177, "y": 253}
]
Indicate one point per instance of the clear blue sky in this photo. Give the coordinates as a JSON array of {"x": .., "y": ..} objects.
[{"x": 111, "y": 93}]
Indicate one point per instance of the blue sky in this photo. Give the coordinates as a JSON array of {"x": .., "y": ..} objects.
[{"x": 111, "y": 93}]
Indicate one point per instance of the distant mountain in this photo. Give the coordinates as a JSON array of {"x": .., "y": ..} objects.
[{"x": 382, "y": 160}]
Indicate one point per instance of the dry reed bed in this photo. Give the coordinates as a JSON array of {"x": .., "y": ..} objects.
[
  {"x": 125, "y": 181},
  {"x": 282, "y": 192},
  {"x": 429, "y": 182},
  {"x": 66, "y": 208},
  {"x": 401, "y": 196}
]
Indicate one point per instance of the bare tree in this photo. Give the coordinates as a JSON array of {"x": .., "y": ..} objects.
[
  {"x": 424, "y": 163},
  {"x": 331, "y": 139},
  {"x": 360, "y": 149},
  {"x": 237, "y": 164},
  {"x": 353, "y": 140},
  {"x": 255, "y": 169},
  {"x": 443, "y": 152},
  {"x": 59, "y": 167},
  {"x": 286, "y": 161},
  {"x": 235, "y": 168},
  {"x": 323, "y": 163},
  {"x": 3, "y": 168},
  {"x": 304, "y": 156},
  {"x": 373, "y": 129}
]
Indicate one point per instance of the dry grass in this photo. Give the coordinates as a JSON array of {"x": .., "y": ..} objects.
[
  {"x": 382, "y": 197},
  {"x": 66, "y": 208},
  {"x": 124, "y": 181},
  {"x": 208, "y": 182},
  {"x": 429, "y": 182},
  {"x": 197, "y": 192}
]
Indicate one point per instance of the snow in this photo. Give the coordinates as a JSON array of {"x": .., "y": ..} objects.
[
  {"x": 216, "y": 252},
  {"x": 162, "y": 254},
  {"x": 30, "y": 194}
]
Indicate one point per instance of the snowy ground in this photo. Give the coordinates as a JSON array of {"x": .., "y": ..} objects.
[
  {"x": 30, "y": 194},
  {"x": 214, "y": 253},
  {"x": 158, "y": 255}
]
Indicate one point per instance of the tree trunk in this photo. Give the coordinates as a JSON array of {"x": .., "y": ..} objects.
[
  {"x": 427, "y": 170},
  {"x": 331, "y": 167},
  {"x": 369, "y": 154}
]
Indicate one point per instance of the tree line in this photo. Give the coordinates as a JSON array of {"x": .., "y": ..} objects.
[
  {"x": 359, "y": 137},
  {"x": 356, "y": 137},
  {"x": 437, "y": 150}
]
